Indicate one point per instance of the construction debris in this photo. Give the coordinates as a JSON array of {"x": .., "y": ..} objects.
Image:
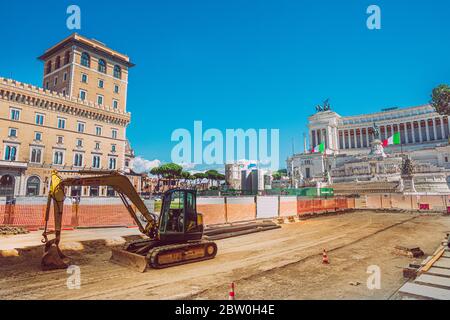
[
  {"x": 8, "y": 230},
  {"x": 432, "y": 279},
  {"x": 235, "y": 230},
  {"x": 412, "y": 252}
]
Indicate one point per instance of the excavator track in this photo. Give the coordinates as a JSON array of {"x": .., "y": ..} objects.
[{"x": 178, "y": 254}]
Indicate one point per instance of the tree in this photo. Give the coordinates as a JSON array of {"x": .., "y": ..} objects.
[
  {"x": 156, "y": 171},
  {"x": 279, "y": 174},
  {"x": 171, "y": 171},
  {"x": 440, "y": 99},
  {"x": 211, "y": 175}
]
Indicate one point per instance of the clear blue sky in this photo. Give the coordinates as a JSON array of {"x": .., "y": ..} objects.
[{"x": 245, "y": 64}]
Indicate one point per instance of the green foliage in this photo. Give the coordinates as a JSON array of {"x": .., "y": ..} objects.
[
  {"x": 440, "y": 99},
  {"x": 279, "y": 174}
]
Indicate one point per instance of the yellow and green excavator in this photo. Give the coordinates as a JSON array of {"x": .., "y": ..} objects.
[{"x": 172, "y": 238}]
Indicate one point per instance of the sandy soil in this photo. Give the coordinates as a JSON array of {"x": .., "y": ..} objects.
[{"x": 280, "y": 264}]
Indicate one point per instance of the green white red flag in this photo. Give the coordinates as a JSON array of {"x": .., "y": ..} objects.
[{"x": 392, "y": 140}]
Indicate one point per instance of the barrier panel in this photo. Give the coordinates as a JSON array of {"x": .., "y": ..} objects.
[
  {"x": 304, "y": 206},
  {"x": 240, "y": 209},
  {"x": 267, "y": 207},
  {"x": 213, "y": 210},
  {"x": 288, "y": 206},
  {"x": 373, "y": 201},
  {"x": 435, "y": 202}
]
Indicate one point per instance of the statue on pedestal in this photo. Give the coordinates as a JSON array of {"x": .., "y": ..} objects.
[
  {"x": 407, "y": 180},
  {"x": 377, "y": 149}
]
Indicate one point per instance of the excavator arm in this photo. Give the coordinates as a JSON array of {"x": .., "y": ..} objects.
[{"x": 121, "y": 185}]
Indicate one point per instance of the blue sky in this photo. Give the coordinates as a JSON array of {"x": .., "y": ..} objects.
[{"x": 245, "y": 64}]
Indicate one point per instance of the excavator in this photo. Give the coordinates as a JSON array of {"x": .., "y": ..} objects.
[{"x": 172, "y": 238}]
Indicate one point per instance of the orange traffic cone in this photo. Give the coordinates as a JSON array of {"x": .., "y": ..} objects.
[
  {"x": 231, "y": 294},
  {"x": 325, "y": 257}
]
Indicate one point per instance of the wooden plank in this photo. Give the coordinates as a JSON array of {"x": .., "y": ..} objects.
[
  {"x": 439, "y": 272},
  {"x": 424, "y": 292},
  {"x": 433, "y": 260},
  {"x": 442, "y": 263},
  {"x": 431, "y": 280}
]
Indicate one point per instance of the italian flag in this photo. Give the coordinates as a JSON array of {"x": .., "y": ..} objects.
[
  {"x": 319, "y": 148},
  {"x": 395, "y": 139}
]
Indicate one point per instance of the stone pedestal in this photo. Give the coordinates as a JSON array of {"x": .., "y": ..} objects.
[
  {"x": 408, "y": 185},
  {"x": 377, "y": 149}
]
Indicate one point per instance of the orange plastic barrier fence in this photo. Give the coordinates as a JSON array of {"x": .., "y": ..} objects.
[
  {"x": 310, "y": 206},
  {"x": 33, "y": 216}
]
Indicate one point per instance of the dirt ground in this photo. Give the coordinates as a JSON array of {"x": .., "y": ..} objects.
[{"x": 280, "y": 264}]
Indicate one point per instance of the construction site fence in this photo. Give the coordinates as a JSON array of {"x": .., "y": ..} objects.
[
  {"x": 423, "y": 203},
  {"x": 110, "y": 212}
]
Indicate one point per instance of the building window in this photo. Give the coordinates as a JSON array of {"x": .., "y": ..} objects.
[
  {"x": 67, "y": 57},
  {"x": 61, "y": 123},
  {"x": 113, "y": 148},
  {"x": 78, "y": 160},
  {"x": 39, "y": 119},
  {"x": 38, "y": 136},
  {"x": 84, "y": 78},
  {"x": 101, "y": 84},
  {"x": 14, "y": 114},
  {"x": 96, "y": 162},
  {"x": 12, "y": 133},
  {"x": 116, "y": 88},
  {"x": 10, "y": 153},
  {"x": 115, "y": 104},
  {"x": 56, "y": 81},
  {"x": 98, "y": 131},
  {"x": 100, "y": 100},
  {"x": 79, "y": 143},
  {"x": 112, "y": 163},
  {"x": 117, "y": 72},
  {"x": 58, "y": 158},
  {"x": 58, "y": 62},
  {"x": 446, "y": 159},
  {"x": 65, "y": 76},
  {"x": 82, "y": 95},
  {"x": 49, "y": 67},
  {"x": 97, "y": 146},
  {"x": 114, "y": 133},
  {"x": 85, "y": 59},
  {"x": 80, "y": 127},
  {"x": 64, "y": 92},
  {"x": 60, "y": 140},
  {"x": 47, "y": 85},
  {"x": 33, "y": 186},
  {"x": 36, "y": 155},
  {"x": 101, "y": 66}
]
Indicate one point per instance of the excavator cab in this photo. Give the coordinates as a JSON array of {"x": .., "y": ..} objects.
[{"x": 179, "y": 220}]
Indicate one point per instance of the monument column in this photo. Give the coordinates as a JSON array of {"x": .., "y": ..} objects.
[
  {"x": 441, "y": 119},
  {"x": 427, "y": 127},
  {"x": 420, "y": 131},
  {"x": 434, "y": 129},
  {"x": 406, "y": 132}
]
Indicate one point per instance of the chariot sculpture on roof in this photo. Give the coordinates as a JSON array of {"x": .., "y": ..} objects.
[{"x": 325, "y": 107}]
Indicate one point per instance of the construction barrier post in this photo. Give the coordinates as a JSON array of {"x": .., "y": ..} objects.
[{"x": 225, "y": 203}]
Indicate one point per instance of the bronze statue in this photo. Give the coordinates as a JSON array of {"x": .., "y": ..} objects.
[
  {"x": 407, "y": 167},
  {"x": 376, "y": 132}
]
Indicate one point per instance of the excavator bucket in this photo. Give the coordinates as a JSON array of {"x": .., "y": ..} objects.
[
  {"x": 53, "y": 259},
  {"x": 129, "y": 259}
]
